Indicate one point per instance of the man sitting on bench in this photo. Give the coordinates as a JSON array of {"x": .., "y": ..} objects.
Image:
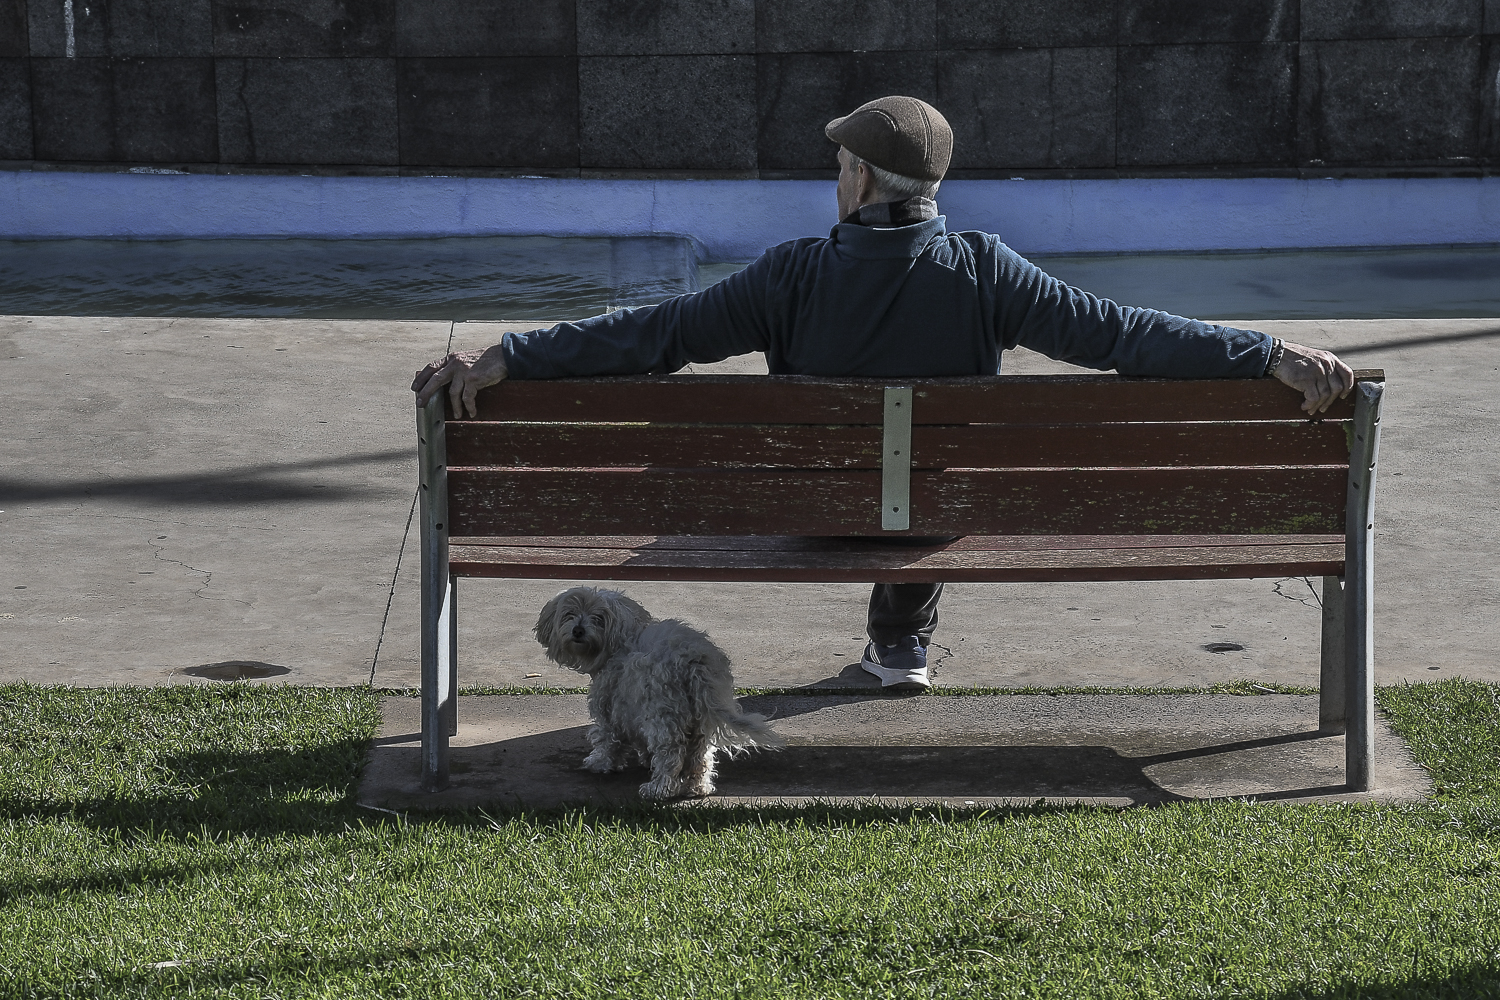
[{"x": 889, "y": 293}]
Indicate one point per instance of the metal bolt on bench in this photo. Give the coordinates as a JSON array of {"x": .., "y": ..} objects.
[{"x": 797, "y": 479}]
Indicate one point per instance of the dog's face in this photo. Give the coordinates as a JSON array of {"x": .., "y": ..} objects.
[{"x": 581, "y": 627}]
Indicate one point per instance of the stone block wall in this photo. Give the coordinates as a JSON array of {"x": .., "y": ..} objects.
[{"x": 742, "y": 88}]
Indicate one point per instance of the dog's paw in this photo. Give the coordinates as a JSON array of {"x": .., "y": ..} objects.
[
  {"x": 699, "y": 788},
  {"x": 659, "y": 790},
  {"x": 602, "y": 763}
]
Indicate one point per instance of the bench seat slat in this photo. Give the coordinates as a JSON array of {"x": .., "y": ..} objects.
[
  {"x": 813, "y": 543},
  {"x": 858, "y": 447},
  {"x": 845, "y": 502},
  {"x": 970, "y": 559}
]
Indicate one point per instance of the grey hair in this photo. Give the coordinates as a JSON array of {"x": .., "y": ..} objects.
[{"x": 894, "y": 187}]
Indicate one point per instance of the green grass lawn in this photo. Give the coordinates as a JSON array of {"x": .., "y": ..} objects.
[{"x": 203, "y": 841}]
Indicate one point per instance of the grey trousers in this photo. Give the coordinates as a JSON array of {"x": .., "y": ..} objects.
[{"x": 898, "y": 609}]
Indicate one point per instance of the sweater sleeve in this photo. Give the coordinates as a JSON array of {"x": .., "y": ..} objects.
[
  {"x": 720, "y": 322},
  {"x": 1043, "y": 314}
]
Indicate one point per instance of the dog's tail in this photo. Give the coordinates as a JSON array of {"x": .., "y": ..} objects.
[{"x": 739, "y": 730}]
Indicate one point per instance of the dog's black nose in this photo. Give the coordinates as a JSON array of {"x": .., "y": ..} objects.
[{"x": 578, "y": 632}]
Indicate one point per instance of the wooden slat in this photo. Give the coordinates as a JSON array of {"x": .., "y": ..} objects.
[
  {"x": 840, "y": 502},
  {"x": 793, "y": 560},
  {"x": 1101, "y": 399},
  {"x": 985, "y": 446},
  {"x": 473, "y": 443},
  {"x": 792, "y": 399},
  {"x": 624, "y": 502},
  {"x": 1128, "y": 501},
  {"x": 786, "y": 446},
  {"x": 730, "y": 399}
]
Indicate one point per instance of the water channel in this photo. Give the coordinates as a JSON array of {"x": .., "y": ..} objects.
[{"x": 550, "y": 278}]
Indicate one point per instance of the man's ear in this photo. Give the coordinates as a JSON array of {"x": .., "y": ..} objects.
[{"x": 864, "y": 184}]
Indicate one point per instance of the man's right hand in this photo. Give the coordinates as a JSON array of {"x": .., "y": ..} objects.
[
  {"x": 464, "y": 374},
  {"x": 1318, "y": 375}
]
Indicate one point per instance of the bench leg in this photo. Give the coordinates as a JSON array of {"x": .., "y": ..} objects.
[
  {"x": 1359, "y": 588},
  {"x": 1331, "y": 707},
  {"x": 1346, "y": 697},
  {"x": 438, "y": 634},
  {"x": 1359, "y": 676}
]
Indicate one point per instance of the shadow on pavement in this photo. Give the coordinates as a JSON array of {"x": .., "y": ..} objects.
[
  {"x": 1437, "y": 338},
  {"x": 268, "y": 483}
]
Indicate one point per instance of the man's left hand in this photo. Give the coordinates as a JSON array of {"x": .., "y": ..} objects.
[
  {"x": 1318, "y": 375},
  {"x": 464, "y": 373}
]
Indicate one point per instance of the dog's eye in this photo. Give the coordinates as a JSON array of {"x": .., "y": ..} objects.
[{"x": 596, "y": 619}]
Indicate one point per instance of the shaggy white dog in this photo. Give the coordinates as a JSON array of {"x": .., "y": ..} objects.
[{"x": 659, "y": 691}]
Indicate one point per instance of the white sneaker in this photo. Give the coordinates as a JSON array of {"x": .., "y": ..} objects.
[{"x": 902, "y": 667}]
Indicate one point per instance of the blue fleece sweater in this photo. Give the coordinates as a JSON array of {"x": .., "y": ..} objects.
[{"x": 909, "y": 301}]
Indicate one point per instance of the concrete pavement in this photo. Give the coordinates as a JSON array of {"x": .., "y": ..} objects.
[
  {"x": 180, "y": 494},
  {"x": 187, "y": 492}
]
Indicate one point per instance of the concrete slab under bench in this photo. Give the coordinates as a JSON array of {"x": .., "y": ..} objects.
[{"x": 524, "y": 751}]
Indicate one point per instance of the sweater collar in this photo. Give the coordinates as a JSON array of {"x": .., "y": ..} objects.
[
  {"x": 894, "y": 213},
  {"x": 900, "y": 241}
]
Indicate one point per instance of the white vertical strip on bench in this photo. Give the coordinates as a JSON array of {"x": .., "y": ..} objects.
[
  {"x": 437, "y": 593},
  {"x": 1331, "y": 700},
  {"x": 1359, "y": 588},
  {"x": 895, "y": 461},
  {"x": 448, "y": 671}
]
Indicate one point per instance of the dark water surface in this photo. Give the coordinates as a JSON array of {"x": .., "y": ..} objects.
[
  {"x": 511, "y": 277},
  {"x": 1397, "y": 282},
  {"x": 549, "y": 278}
]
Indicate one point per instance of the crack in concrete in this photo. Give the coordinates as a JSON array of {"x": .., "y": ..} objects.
[
  {"x": 947, "y": 655},
  {"x": 208, "y": 577},
  {"x": 1317, "y": 601}
]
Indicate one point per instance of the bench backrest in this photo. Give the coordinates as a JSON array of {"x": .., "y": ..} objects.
[{"x": 795, "y": 455}]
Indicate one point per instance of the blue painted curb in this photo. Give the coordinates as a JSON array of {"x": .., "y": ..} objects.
[{"x": 734, "y": 220}]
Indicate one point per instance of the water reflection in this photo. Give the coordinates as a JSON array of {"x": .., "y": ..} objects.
[{"x": 511, "y": 277}]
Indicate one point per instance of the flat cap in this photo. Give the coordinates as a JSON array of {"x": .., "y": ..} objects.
[{"x": 900, "y": 134}]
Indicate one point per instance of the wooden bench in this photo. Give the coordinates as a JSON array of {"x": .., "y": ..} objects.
[{"x": 792, "y": 478}]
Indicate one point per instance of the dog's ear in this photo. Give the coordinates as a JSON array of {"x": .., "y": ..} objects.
[
  {"x": 546, "y": 622},
  {"x": 625, "y": 620}
]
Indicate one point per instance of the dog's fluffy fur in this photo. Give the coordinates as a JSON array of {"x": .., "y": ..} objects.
[{"x": 660, "y": 692}]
